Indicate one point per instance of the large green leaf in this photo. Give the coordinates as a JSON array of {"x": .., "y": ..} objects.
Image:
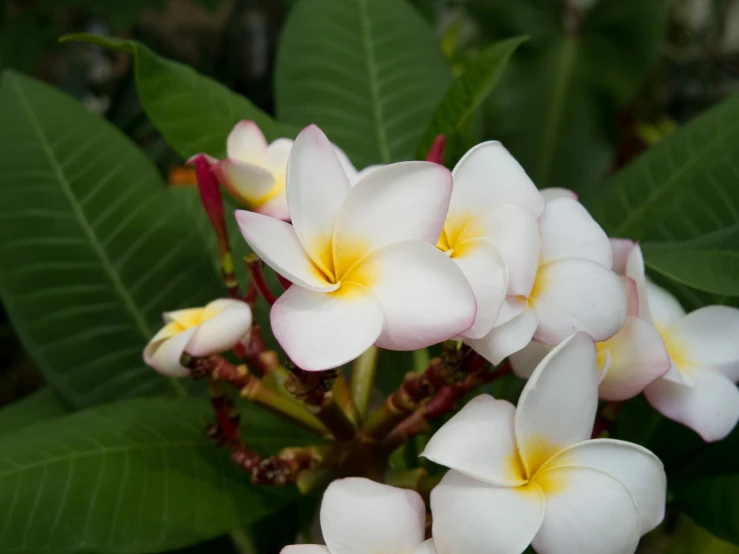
[
  {"x": 681, "y": 188},
  {"x": 709, "y": 263},
  {"x": 133, "y": 476},
  {"x": 368, "y": 72},
  {"x": 91, "y": 250},
  {"x": 192, "y": 112},
  {"x": 456, "y": 110},
  {"x": 556, "y": 106},
  {"x": 40, "y": 406},
  {"x": 708, "y": 488}
]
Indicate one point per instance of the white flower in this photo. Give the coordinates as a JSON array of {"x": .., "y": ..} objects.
[
  {"x": 559, "y": 275},
  {"x": 631, "y": 359},
  {"x": 216, "y": 328},
  {"x": 531, "y": 474},
  {"x": 491, "y": 231},
  {"x": 698, "y": 390},
  {"x": 254, "y": 171},
  {"x": 362, "y": 258},
  {"x": 359, "y": 516}
]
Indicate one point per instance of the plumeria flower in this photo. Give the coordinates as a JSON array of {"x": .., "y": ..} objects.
[
  {"x": 531, "y": 475},
  {"x": 630, "y": 360},
  {"x": 216, "y": 328},
  {"x": 699, "y": 389},
  {"x": 491, "y": 231},
  {"x": 359, "y": 516},
  {"x": 362, "y": 258},
  {"x": 254, "y": 170},
  {"x": 559, "y": 267}
]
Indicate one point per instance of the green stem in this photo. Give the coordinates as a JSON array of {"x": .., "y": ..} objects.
[
  {"x": 363, "y": 378},
  {"x": 421, "y": 359}
]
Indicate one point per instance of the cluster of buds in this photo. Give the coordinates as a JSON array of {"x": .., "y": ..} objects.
[{"x": 409, "y": 255}]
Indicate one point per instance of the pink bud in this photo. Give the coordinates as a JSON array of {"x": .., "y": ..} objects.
[
  {"x": 436, "y": 152},
  {"x": 210, "y": 194}
]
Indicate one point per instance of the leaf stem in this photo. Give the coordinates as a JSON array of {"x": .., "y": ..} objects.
[{"x": 363, "y": 378}]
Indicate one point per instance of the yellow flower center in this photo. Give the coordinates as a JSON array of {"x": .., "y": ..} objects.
[{"x": 538, "y": 451}]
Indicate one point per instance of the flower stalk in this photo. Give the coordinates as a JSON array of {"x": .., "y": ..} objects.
[
  {"x": 255, "y": 267},
  {"x": 363, "y": 377}
]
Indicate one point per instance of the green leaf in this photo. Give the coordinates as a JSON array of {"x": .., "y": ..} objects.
[
  {"x": 681, "y": 188},
  {"x": 556, "y": 107},
  {"x": 368, "y": 72},
  {"x": 193, "y": 113},
  {"x": 468, "y": 91},
  {"x": 133, "y": 476},
  {"x": 92, "y": 250},
  {"x": 708, "y": 488},
  {"x": 40, "y": 406},
  {"x": 709, "y": 263}
]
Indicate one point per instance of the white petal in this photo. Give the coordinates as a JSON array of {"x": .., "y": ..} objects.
[
  {"x": 665, "y": 309},
  {"x": 488, "y": 174},
  {"x": 505, "y": 339},
  {"x": 169, "y": 330},
  {"x": 305, "y": 549},
  {"x": 479, "y": 441},
  {"x": 524, "y": 361},
  {"x": 399, "y": 202},
  {"x": 276, "y": 156},
  {"x": 551, "y": 193},
  {"x": 221, "y": 331},
  {"x": 351, "y": 171},
  {"x": 572, "y": 295},
  {"x": 321, "y": 330},
  {"x": 316, "y": 188},
  {"x": 486, "y": 273},
  {"x": 359, "y": 516},
  {"x": 638, "y": 357},
  {"x": 621, "y": 249},
  {"x": 632, "y": 296},
  {"x": 569, "y": 231},
  {"x": 248, "y": 183},
  {"x": 558, "y": 404},
  {"x": 635, "y": 271},
  {"x": 635, "y": 467},
  {"x": 471, "y": 517},
  {"x": 513, "y": 306},
  {"x": 710, "y": 408},
  {"x": 166, "y": 357},
  {"x": 424, "y": 295},
  {"x": 709, "y": 337},
  {"x": 275, "y": 242},
  {"x": 246, "y": 142},
  {"x": 587, "y": 512},
  {"x": 189, "y": 317},
  {"x": 275, "y": 207},
  {"x": 426, "y": 547},
  {"x": 515, "y": 233},
  {"x": 366, "y": 171}
]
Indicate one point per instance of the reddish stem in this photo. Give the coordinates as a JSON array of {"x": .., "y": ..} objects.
[
  {"x": 436, "y": 152},
  {"x": 256, "y": 270}
]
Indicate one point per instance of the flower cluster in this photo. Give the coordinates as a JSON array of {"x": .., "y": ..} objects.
[{"x": 408, "y": 255}]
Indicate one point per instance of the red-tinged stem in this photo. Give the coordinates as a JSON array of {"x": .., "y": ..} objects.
[
  {"x": 256, "y": 270},
  {"x": 210, "y": 196},
  {"x": 436, "y": 152},
  {"x": 284, "y": 283}
]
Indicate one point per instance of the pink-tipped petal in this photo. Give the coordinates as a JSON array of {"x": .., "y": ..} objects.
[
  {"x": 550, "y": 193},
  {"x": 246, "y": 142},
  {"x": 664, "y": 308},
  {"x": 587, "y": 511},
  {"x": 635, "y": 467},
  {"x": 710, "y": 407},
  {"x": 276, "y": 156},
  {"x": 621, "y": 249},
  {"x": 317, "y": 186},
  {"x": 275, "y": 242},
  {"x": 472, "y": 517},
  {"x": 635, "y": 270},
  {"x": 305, "y": 549},
  {"x": 320, "y": 330},
  {"x": 425, "y": 297},
  {"x": 569, "y": 231},
  {"x": 480, "y": 442},
  {"x": 505, "y": 339},
  {"x": 632, "y": 296},
  {"x": 488, "y": 174},
  {"x": 398, "y": 202},
  {"x": 573, "y": 295},
  {"x": 558, "y": 404},
  {"x": 248, "y": 183},
  {"x": 638, "y": 357}
]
